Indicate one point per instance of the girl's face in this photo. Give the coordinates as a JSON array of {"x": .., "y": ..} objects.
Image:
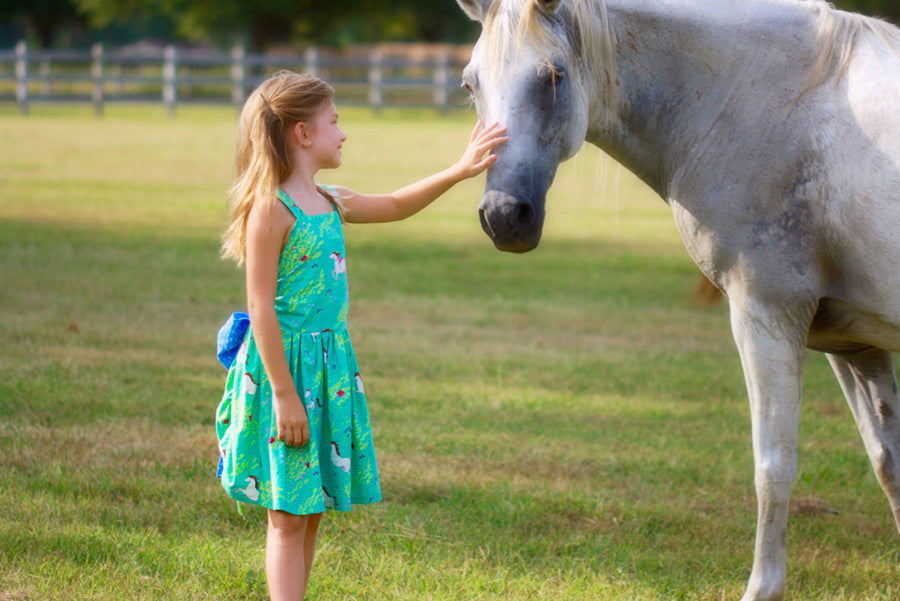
[{"x": 325, "y": 138}]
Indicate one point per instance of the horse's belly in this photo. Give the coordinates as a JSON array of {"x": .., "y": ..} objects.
[{"x": 840, "y": 327}]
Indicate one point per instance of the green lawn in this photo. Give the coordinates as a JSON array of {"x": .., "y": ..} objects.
[{"x": 564, "y": 424}]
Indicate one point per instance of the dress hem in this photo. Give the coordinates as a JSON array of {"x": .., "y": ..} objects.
[{"x": 322, "y": 509}]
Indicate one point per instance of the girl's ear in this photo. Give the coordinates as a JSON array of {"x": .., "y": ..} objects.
[{"x": 301, "y": 134}]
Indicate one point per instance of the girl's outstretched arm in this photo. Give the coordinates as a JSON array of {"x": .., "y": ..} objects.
[{"x": 409, "y": 200}]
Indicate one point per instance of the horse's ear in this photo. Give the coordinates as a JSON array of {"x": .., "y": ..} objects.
[
  {"x": 548, "y": 6},
  {"x": 476, "y": 9}
]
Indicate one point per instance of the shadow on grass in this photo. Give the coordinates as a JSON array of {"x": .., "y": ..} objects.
[
  {"x": 116, "y": 329},
  {"x": 123, "y": 323}
]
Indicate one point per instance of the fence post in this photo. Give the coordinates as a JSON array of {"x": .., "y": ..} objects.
[
  {"x": 238, "y": 75},
  {"x": 116, "y": 77},
  {"x": 97, "y": 77},
  {"x": 311, "y": 60},
  {"x": 22, "y": 77},
  {"x": 170, "y": 75},
  {"x": 375, "y": 79},
  {"x": 441, "y": 79},
  {"x": 45, "y": 76}
]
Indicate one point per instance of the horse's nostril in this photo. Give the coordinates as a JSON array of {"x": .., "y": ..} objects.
[
  {"x": 514, "y": 225},
  {"x": 525, "y": 216},
  {"x": 484, "y": 223}
]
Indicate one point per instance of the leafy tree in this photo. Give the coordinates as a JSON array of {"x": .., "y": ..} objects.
[
  {"x": 44, "y": 20},
  {"x": 283, "y": 21},
  {"x": 887, "y": 9},
  {"x": 272, "y": 22}
]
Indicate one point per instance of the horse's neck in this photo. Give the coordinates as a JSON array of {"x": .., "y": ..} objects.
[{"x": 682, "y": 64}]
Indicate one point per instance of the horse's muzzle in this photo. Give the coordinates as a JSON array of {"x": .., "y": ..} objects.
[{"x": 512, "y": 224}]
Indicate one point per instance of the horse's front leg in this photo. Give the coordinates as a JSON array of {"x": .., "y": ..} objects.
[{"x": 771, "y": 343}]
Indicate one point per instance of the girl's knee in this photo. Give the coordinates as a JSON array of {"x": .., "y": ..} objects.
[{"x": 288, "y": 524}]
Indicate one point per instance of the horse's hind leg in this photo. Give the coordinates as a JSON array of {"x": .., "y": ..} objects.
[{"x": 869, "y": 382}]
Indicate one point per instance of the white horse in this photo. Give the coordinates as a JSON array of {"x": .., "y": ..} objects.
[{"x": 771, "y": 128}]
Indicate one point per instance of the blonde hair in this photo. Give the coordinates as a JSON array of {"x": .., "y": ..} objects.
[{"x": 262, "y": 158}]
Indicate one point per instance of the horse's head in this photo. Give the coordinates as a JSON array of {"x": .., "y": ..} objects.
[{"x": 525, "y": 72}]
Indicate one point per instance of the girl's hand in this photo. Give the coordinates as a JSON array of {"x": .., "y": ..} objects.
[
  {"x": 290, "y": 420},
  {"x": 483, "y": 140}
]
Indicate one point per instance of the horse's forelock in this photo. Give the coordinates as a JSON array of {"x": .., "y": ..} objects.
[
  {"x": 508, "y": 24},
  {"x": 589, "y": 37}
]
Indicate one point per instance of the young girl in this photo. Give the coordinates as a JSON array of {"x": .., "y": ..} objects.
[{"x": 293, "y": 426}]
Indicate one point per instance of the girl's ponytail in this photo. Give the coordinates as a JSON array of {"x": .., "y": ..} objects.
[{"x": 262, "y": 157}]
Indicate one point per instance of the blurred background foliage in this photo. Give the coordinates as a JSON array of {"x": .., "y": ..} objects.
[
  {"x": 70, "y": 23},
  {"x": 78, "y": 23}
]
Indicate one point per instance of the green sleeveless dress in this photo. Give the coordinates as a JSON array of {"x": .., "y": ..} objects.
[{"x": 337, "y": 468}]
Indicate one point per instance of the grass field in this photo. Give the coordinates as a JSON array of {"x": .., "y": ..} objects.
[{"x": 558, "y": 425}]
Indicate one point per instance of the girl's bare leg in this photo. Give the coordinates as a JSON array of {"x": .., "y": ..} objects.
[
  {"x": 309, "y": 544},
  {"x": 286, "y": 563}
]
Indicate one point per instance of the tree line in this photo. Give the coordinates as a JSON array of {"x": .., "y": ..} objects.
[{"x": 77, "y": 23}]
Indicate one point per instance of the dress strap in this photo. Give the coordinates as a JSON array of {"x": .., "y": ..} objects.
[
  {"x": 294, "y": 209},
  {"x": 335, "y": 198}
]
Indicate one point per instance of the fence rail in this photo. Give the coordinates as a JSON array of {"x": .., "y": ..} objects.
[{"x": 376, "y": 77}]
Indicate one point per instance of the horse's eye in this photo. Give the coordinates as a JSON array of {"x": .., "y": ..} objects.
[
  {"x": 552, "y": 75},
  {"x": 556, "y": 73},
  {"x": 468, "y": 88}
]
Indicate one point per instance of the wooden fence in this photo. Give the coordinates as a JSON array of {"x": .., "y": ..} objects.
[{"x": 375, "y": 76}]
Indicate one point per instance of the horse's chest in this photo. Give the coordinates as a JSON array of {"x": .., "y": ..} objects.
[{"x": 703, "y": 244}]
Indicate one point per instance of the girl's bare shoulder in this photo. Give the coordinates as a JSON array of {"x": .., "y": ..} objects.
[{"x": 270, "y": 218}]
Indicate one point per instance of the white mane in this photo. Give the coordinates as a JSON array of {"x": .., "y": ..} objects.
[
  {"x": 592, "y": 41},
  {"x": 837, "y": 35}
]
